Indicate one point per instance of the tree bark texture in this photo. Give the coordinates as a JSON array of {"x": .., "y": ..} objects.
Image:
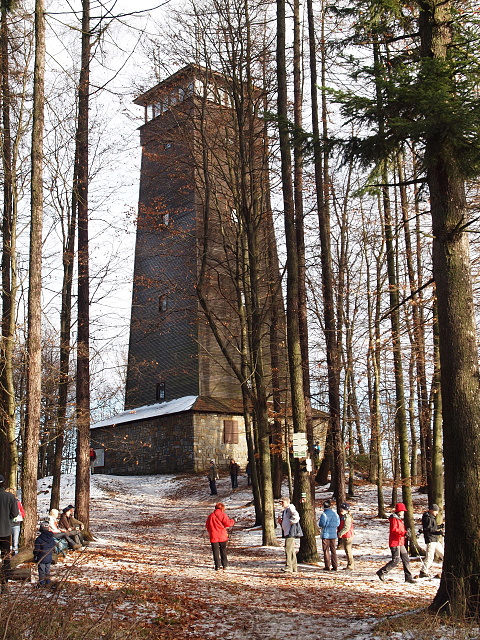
[
  {"x": 459, "y": 591},
  {"x": 82, "y": 480},
  {"x": 9, "y": 452},
  {"x": 34, "y": 346},
  {"x": 322, "y": 189}
]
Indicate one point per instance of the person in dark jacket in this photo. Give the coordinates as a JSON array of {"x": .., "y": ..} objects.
[
  {"x": 217, "y": 524},
  {"x": 234, "y": 471},
  {"x": 396, "y": 542},
  {"x": 248, "y": 471},
  {"x": 212, "y": 476},
  {"x": 70, "y": 525},
  {"x": 8, "y": 512},
  {"x": 432, "y": 532},
  {"x": 42, "y": 553}
]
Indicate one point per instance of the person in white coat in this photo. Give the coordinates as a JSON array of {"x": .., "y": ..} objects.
[{"x": 289, "y": 520}]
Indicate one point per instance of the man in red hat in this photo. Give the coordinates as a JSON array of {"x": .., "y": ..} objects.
[{"x": 396, "y": 542}]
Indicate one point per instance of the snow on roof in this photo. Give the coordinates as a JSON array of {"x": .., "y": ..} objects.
[{"x": 149, "y": 411}]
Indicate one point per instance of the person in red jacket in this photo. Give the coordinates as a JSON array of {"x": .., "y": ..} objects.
[
  {"x": 345, "y": 534},
  {"x": 217, "y": 524},
  {"x": 396, "y": 542}
]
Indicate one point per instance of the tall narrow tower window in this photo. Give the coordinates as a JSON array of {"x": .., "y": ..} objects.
[
  {"x": 160, "y": 392},
  {"x": 162, "y": 303}
]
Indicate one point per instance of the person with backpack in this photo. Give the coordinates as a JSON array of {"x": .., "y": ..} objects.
[
  {"x": 328, "y": 523},
  {"x": 432, "y": 533},
  {"x": 289, "y": 520},
  {"x": 217, "y": 524},
  {"x": 345, "y": 534},
  {"x": 396, "y": 542}
]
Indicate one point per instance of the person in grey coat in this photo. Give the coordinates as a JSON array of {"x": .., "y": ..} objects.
[{"x": 289, "y": 520}]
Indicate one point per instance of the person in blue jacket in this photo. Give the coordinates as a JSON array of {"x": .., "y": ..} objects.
[
  {"x": 42, "y": 552},
  {"x": 328, "y": 523}
]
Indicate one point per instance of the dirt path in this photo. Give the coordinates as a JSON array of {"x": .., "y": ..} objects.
[{"x": 151, "y": 544}]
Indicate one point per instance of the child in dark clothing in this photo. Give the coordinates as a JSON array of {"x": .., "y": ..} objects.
[{"x": 42, "y": 552}]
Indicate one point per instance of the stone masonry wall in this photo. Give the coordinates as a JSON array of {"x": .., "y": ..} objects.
[
  {"x": 159, "y": 445},
  {"x": 208, "y": 442}
]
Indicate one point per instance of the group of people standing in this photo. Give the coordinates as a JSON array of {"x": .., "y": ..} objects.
[
  {"x": 336, "y": 532},
  {"x": 335, "y": 528},
  {"x": 234, "y": 471}
]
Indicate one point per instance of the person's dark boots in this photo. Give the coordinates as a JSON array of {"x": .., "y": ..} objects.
[
  {"x": 381, "y": 575},
  {"x": 410, "y": 580}
]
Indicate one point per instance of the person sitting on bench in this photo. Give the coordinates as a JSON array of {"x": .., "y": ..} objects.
[
  {"x": 71, "y": 525},
  {"x": 58, "y": 534}
]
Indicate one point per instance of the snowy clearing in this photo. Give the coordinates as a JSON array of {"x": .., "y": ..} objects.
[{"x": 152, "y": 552}]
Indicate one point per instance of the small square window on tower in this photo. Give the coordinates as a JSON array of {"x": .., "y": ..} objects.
[
  {"x": 162, "y": 303},
  {"x": 230, "y": 432},
  {"x": 160, "y": 391}
]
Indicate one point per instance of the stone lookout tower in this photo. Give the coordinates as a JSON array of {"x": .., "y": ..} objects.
[
  {"x": 183, "y": 399},
  {"x": 186, "y": 232}
]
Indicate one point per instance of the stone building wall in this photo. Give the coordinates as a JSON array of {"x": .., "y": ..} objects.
[
  {"x": 158, "y": 445},
  {"x": 181, "y": 442},
  {"x": 209, "y": 444}
]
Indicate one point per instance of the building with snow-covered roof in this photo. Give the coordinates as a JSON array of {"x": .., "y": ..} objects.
[{"x": 183, "y": 434}]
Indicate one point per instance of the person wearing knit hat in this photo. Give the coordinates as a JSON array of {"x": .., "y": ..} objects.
[
  {"x": 432, "y": 532},
  {"x": 396, "y": 542}
]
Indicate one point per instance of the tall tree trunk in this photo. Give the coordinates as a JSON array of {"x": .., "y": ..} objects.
[
  {"x": 304, "y": 481},
  {"x": 418, "y": 342},
  {"x": 34, "y": 344},
  {"x": 322, "y": 199},
  {"x": 65, "y": 347},
  {"x": 400, "y": 411},
  {"x": 303, "y": 487},
  {"x": 8, "y": 442},
  {"x": 82, "y": 479},
  {"x": 438, "y": 496},
  {"x": 374, "y": 378},
  {"x": 459, "y": 591}
]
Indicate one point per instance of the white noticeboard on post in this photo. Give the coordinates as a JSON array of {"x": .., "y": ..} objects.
[
  {"x": 100, "y": 459},
  {"x": 300, "y": 447}
]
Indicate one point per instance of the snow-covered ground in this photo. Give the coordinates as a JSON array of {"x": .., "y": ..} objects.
[{"x": 150, "y": 536}]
